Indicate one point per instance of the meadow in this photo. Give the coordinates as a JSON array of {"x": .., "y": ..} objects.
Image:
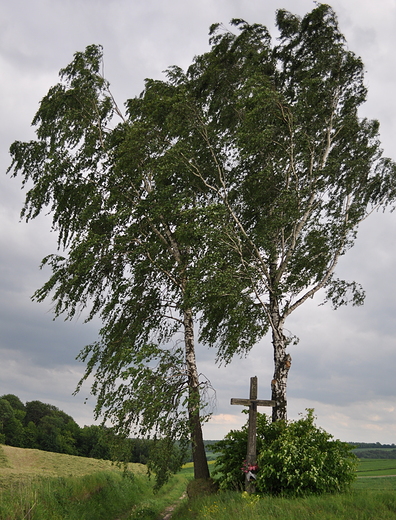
[
  {"x": 37, "y": 485},
  {"x": 376, "y": 467},
  {"x": 372, "y": 497}
]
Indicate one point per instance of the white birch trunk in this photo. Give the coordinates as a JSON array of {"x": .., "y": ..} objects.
[
  {"x": 201, "y": 468},
  {"x": 282, "y": 364}
]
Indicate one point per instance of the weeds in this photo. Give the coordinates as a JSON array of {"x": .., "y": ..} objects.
[
  {"x": 109, "y": 495},
  {"x": 355, "y": 505},
  {"x": 92, "y": 497}
]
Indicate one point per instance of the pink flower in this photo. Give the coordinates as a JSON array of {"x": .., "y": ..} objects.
[{"x": 248, "y": 467}]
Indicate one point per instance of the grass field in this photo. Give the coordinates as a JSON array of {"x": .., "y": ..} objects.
[
  {"x": 374, "y": 505},
  {"x": 37, "y": 485},
  {"x": 372, "y": 497},
  {"x": 18, "y": 464},
  {"x": 376, "y": 467}
]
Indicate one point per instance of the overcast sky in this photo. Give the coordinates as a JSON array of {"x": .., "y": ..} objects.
[{"x": 344, "y": 364}]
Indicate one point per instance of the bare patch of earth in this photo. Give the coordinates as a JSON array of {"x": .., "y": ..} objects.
[{"x": 167, "y": 514}]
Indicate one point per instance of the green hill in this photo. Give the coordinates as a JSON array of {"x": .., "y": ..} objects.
[{"x": 18, "y": 464}]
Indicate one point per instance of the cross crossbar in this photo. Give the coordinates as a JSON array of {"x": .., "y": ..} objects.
[{"x": 257, "y": 402}]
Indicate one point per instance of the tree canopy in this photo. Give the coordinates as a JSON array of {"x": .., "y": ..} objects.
[
  {"x": 132, "y": 235},
  {"x": 292, "y": 164},
  {"x": 224, "y": 197}
]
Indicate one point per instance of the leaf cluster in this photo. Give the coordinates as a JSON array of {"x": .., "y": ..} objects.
[
  {"x": 294, "y": 458},
  {"x": 245, "y": 176},
  {"x": 226, "y": 194},
  {"x": 305, "y": 170}
]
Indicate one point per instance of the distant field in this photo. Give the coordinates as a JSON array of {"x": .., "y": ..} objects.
[
  {"x": 376, "y": 467},
  {"x": 23, "y": 461}
]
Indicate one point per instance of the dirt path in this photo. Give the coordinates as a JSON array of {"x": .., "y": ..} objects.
[{"x": 167, "y": 514}]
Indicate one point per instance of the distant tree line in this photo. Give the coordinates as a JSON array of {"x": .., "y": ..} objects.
[
  {"x": 374, "y": 450},
  {"x": 43, "y": 426},
  {"x": 373, "y": 445},
  {"x": 375, "y": 454}
]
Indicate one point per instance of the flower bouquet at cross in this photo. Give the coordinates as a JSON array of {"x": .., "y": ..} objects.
[{"x": 248, "y": 469}]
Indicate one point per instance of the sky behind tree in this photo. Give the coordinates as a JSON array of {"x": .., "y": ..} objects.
[{"x": 343, "y": 365}]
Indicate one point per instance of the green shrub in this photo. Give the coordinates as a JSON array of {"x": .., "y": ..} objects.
[{"x": 294, "y": 458}]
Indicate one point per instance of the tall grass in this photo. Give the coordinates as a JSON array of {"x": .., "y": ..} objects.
[
  {"x": 105, "y": 495},
  {"x": 108, "y": 495},
  {"x": 369, "y": 499},
  {"x": 350, "y": 506}
]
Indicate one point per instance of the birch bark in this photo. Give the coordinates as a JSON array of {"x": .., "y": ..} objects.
[
  {"x": 201, "y": 468},
  {"x": 282, "y": 363}
]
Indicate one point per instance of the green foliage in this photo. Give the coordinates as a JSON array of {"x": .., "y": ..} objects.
[
  {"x": 95, "y": 441},
  {"x": 11, "y": 429},
  {"x": 367, "y": 504},
  {"x": 294, "y": 458},
  {"x": 165, "y": 458},
  {"x": 14, "y": 401},
  {"x": 30, "y": 436},
  {"x": 223, "y": 198},
  {"x": 45, "y": 427},
  {"x": 6, "y": 411},
  {"x": 97, "y": 496},
  {"x": 294, "y": 166},
  {"x": 375, "y": 454},
  {"x": 132, "y": 227}
]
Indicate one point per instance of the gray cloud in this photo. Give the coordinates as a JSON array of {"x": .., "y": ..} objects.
[{"x": 344, "y": 362}]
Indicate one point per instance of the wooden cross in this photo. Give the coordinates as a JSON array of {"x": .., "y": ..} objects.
[{"x": 252, "y": 403}]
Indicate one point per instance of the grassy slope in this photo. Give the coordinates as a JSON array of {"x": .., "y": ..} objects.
[
  {"x": 44, "y": 486},
  {"x": 18, "y": 464}
]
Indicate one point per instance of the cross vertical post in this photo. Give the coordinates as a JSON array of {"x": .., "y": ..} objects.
[{"x": 251, "y": 456}]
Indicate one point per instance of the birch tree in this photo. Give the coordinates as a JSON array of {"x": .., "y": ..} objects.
[
  {"x": 284, "y": 152},
  {"x": 130, "y": 231},
  {"x": 224, "y": 198},
  {"x": 273, "y": 135}
]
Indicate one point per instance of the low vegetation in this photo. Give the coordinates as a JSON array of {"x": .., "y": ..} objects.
[
  {"x": 37, "y": 485},
  {"x": 294, "y": 458},
  {"x": 372, "y": 496},
  {"x": 363, "y": 505},
  {"x": 376, "y": 467},
  {"x": 40, "y": 485}
]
